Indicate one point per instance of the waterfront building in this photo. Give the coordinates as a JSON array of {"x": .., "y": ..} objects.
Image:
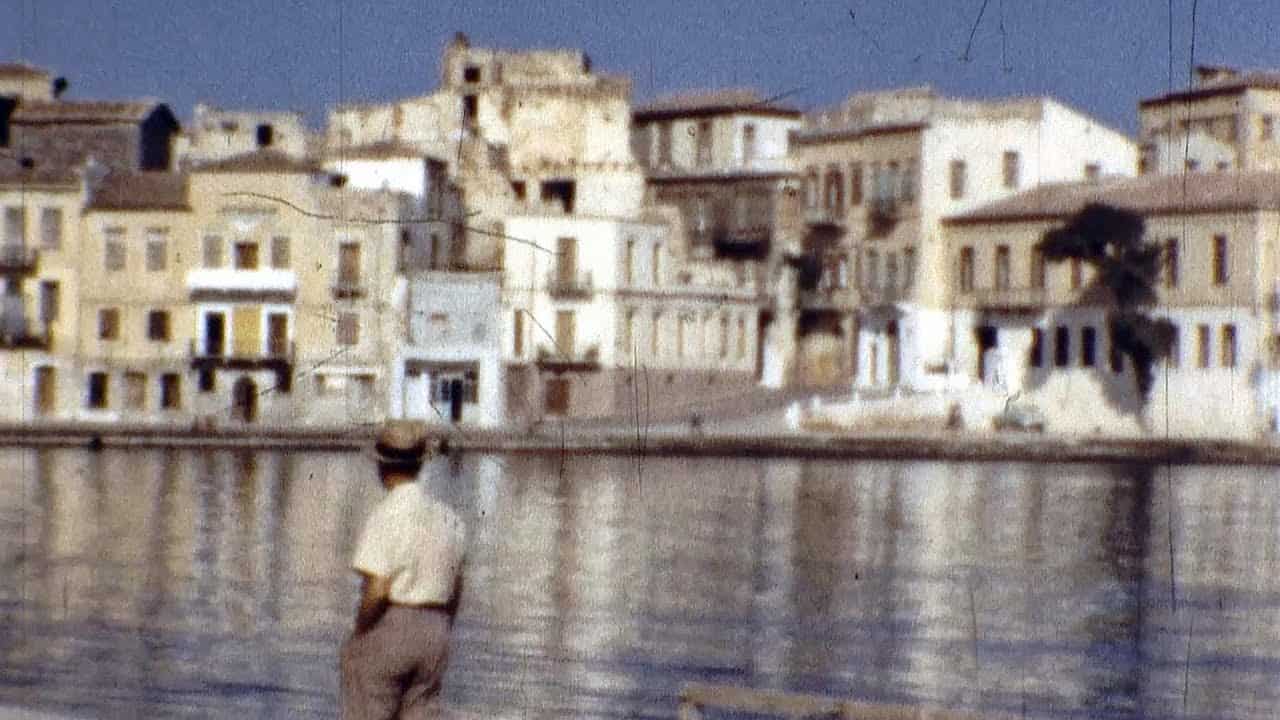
[
  {"x": 879, "y": 172},
  {"x": 720, "y": 159},
  {"x": 1029, "y": 329},
  {"x": 1225, "y": 122}
]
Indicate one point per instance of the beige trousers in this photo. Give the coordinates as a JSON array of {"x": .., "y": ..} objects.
[{"x": 394, "y": 670}]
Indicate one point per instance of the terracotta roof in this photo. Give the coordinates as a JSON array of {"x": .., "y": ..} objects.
[
  {"x": 21, "y": 69},
  {"x": 14, "y": 174},
  {"x": 82, "y": 111},
  {"x": 260, "y": 161},
  {"x": 1229, "y": 84},
  {"x": 1147, "y": 194},
  {"x": 140, "y": 191},
  {"x": 712, "y": 102}
]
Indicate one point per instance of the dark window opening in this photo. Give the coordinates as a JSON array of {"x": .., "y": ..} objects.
[
  {"x": 519, "y": 189},
  {"x": 1037, "y": 348},
  {"x": 266, "y": 135},
  {"x": 206, "y": 382},
  {"x": 469, "y": 109},
  {"x": 158, "y": 325},
  {"x": 170, "y": 391},
  {"x": 471, "y": 74},
  {"x": 1116, "y": 358},
  {"x": 561, "y": 191},
  {"x": 97, "y": 390},
  {"x": 1088, "y": 347},
  {"x": 1062, "y": 346}
]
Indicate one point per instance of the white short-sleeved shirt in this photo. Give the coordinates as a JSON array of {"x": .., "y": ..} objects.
[{"x": 417, "y": 541}]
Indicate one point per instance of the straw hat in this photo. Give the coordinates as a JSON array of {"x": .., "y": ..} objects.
[{"x": 401, "y": 442}]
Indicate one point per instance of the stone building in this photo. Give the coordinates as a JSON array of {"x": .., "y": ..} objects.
[
  {"x": 720, "y": 160},
  {"x": 1030, "y": 329},
  {"x": 216, "y": 134},
  {"x": 1226, "y": 121},
  {"x": 879, "y": 173}
]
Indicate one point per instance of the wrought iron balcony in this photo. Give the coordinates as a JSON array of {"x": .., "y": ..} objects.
[
  {"x": 552, "y": 358},
  {"x": 1020, "y": 299},
  {"x": 561, "y": 284},
  {"x": 18, "y": 259},
  {"x": 278, "y": 358}
]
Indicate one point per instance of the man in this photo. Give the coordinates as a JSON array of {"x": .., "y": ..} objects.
[{"x": 409, "y": 558}]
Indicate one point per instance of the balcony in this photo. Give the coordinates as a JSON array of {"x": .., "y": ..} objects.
[
  {"x": 550, "y": 358},
  {"x": 832, "y": 298},
  {"x": 18, "y": 260},
  {"x": 347, "y": 289},
  {"x": 741, "y": 243},
  {"x": 882, "y": 214},
  {"x": 232, "y": 284},
  {"x": 1021, "y": 299},
  {"x": 884, "y": 295},
  {"x": 824, "y": 218},
  {"x": 278, "y": 359},
  {"x": 569, "y": 285}
]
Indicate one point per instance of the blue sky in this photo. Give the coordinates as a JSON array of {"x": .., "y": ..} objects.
[{"x": 1099, "y": 55}]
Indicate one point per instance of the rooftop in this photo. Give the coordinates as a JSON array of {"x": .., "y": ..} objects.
[
  {"x": 260, "y": 161},
  {"x": 1213, "y": 81},
  {"x": 910, "y": 108},
  {"x": 1147, "y": 194},
  {"x": 140, "y": 191},
  {"x": 388, "y": 150},
  {"x": 21, "y": 70},
  {"x": 84, "y": 111},
  {"x": 712, "y": 102}
]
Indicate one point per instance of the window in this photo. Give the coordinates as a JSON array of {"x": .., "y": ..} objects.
[
  {"x": 1202, "y": 346},
  {"x": 724, "y": 335},
  {"x": 1169, "y": 261},
  {"x": 1092, "y": 172},
  {"x": 656, "y": 268},
  {"x": 207, "y": 381},
  {"x": 966, "y": 269},
  {"x": 1011, "y": 169},
  {"x": 348, "y": 328},
  {"x": 1114, "y": 357},
  {"x": 246, "y": 255},
  {"x": 890, "y": 270},
  {"x": 50, "y": 302},
  {"x": 910, "y": 171},
  {"x": 266, "y": 135},
  {"x": 1266, "y": 129},
  {"x": 517, "y": 332},
  {"x": 908, "y": 268},
  {"x": 748, "y": 144},
  {"x": 97, "y": 399},
  {"x": 109, "y": 324},
  {"x": 1220, "y": 266},
  {"x": 471, "y": 74},
  {"x": 158, "y": 325},
  {"x": 1062, "y": 346},
  {"x": 520, "y": 189},
  {"x": 855, "y": 183},
  {"x": 560, "y": 192},
  {"x": 629, "y": 263},
  {"x": 1228, "y": 349},
  {"x": 46, "y": 382},
  {"x": 277, "y": 334},
  {"x": 1088, "y": 346},
  {"x": 349, "y": 264},
  {"x": 15, "y": 225},
  {"x": 1037, "y": 268},
  {"x": 703, "y": 145},
  {"x": 211, "y": 251},
  {"x": 470, "y": 108},
  {"x": 811, "y": 188},
  {"x": 872, "y": 281},
  {"x": 628, "y": 331},
  {"x": 157, "y": 250},
  {"x": 834, "y": 195},
  {"x": 1002, "y": 267},
  {"x": 1036, "y": 354},
  {"x": 280, "y": 253},
  {"x": 664, "y": 144},
  {"x": 135, "y": 390},
  {"x": 1077, "y": 273},
  {"x": 742, "y": 337},
  {"x": 51, "y": 228},
  {"x": 957, "y": 179},
  {"x": 1175, "y": 348},
  {"x": 113, "y": 250},
  {"x": 170, "y": 391}
]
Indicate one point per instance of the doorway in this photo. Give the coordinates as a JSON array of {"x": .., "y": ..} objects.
[{"x": 244, "y": 400}]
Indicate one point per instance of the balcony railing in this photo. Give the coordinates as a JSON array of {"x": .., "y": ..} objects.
[
  {"x": 229, "y": 283},
  {"x": 553, "y": 358},
  {"x": 562, "y": 284},
  {"x": 18, "y": 259},
  {"x": 1014, "y": 298},
  {"x": 279, "y": 359}
]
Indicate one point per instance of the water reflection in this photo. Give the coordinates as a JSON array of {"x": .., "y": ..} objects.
[{"x": 214, "y": 583}]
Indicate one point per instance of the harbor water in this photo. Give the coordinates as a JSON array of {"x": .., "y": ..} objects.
[{"x": 184, "y": 583}]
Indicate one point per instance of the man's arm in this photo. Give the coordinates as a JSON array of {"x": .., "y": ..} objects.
[{"x": 375, "y": 598}]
